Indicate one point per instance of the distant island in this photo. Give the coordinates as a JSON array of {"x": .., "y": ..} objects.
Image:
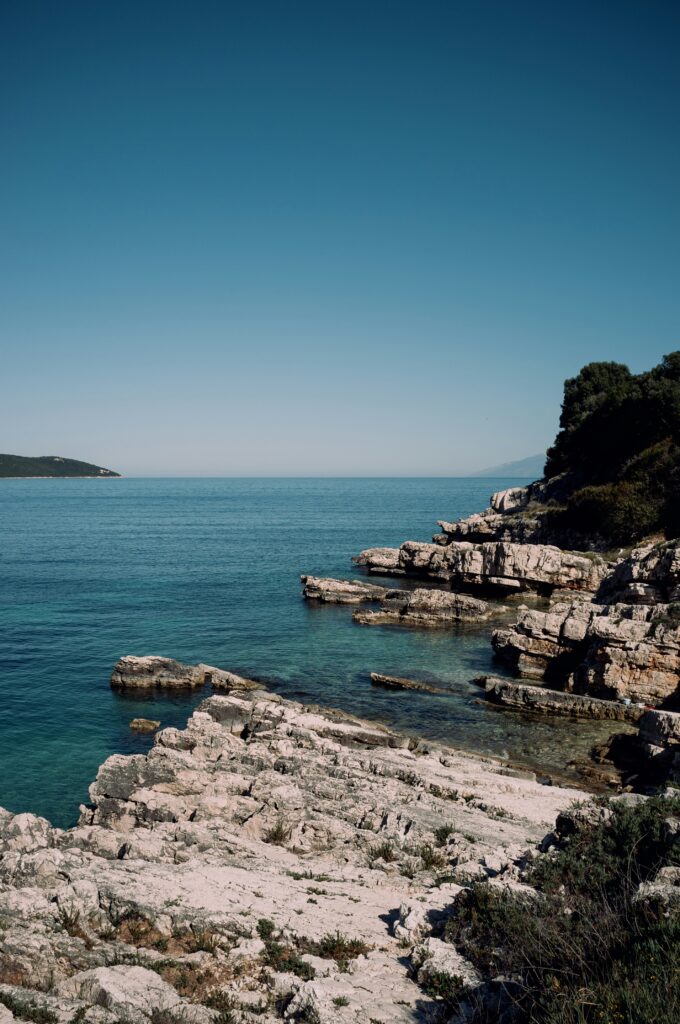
[
  {"x": 531, "y": 467},
  {"x": 49, "y": 466}
]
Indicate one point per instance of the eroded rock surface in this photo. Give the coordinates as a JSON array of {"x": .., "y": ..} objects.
[
  {"x": 270, "y": 860},
  {"x": 424, "y": 608},
  {"x": 540, "y": 699},
  {"x": 494, "y": 564},
  {"x": 151, "y": 672},
  {"x": 331, "y": 591},
  {"x": 624, "y": 644}
]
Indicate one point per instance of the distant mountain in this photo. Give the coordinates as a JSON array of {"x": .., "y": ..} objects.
[
  {"x": 49, "y": 465},
  {"x": 531, "y": 467}
]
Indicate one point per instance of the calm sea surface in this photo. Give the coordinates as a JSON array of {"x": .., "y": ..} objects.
[{"x": 207, "y": 570}]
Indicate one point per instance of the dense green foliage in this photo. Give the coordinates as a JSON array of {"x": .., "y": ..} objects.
[
  {"x": 49, "y": 465},
  {"x": 619, "y": 445},
  {"x": 584, "y": 951}
]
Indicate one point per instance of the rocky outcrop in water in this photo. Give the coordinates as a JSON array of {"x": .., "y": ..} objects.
[
  {"x": 151, "y": 672},
  {"x": 270, "y": 861},
  {"x": 541, "y": 699},
  {"x": 496, "y": 565},
  {"x": 400, "y": 683},
  {"x": 432, "y": 609},
  {"x": 145, "y": 724},
  {"x": 612, "y": 630},
  {"x": 331, "y": 591}
]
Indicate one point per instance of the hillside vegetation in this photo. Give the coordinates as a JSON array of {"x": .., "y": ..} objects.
[
  {"x": 49, "y": 465},
  {"x": 618, "y": 452},
  {"x": 597, "y": 942}
]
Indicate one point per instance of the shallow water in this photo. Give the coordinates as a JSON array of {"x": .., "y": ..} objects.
[{"x": 208, "y": 570}]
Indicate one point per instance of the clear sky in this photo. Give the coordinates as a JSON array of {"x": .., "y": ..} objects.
[{"x": 338, "y": 238}]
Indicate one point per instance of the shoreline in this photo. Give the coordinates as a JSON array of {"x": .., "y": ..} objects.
[{"x": 261, "y": 817}]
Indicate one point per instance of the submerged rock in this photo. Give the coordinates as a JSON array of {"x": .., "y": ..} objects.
[
  {"x": 399, "y": 683},
  {"x": 144, "y": 724},
  {"x": 380, "y": 560}
]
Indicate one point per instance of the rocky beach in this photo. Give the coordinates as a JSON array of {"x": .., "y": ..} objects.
[{"x": 271, "y": 860}]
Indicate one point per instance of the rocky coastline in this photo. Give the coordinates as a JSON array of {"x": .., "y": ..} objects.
[
  {"x": 596, "y": 635},
  {"x": 271, "y": 860},
  {"x": 278, "y": 861}
]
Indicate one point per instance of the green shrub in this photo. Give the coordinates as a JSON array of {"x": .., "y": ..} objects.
[
  {"x": 431, "y": 857},
  {"x": 582, "y": 950},
  {"x": 282, "y": 956},
  {"x": 338, "y": 947},
  {"x": 26, "y": 1009},
  {"x": 448, "y": 987},
  {"x": 278, "y": 834},
  {"x": 382, "y": 851},
  {"x": 442, "y": 833}
]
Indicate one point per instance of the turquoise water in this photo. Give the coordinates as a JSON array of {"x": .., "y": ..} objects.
[{"x": 207, "y": 570}]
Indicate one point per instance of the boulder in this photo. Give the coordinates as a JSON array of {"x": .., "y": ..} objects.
[
  {"x": 152, "y": 672},
  {"x": 144, "y": 724},
  {"x": 133, "y": 991},
  {"x": 224, "y": 682},
  {"x": 510, "y": 500}
]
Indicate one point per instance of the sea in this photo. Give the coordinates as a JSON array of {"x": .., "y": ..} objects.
[{"x": 209, "y": 570}]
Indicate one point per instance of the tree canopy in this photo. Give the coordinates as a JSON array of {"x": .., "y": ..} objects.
[{"x": 619, "y": 448}]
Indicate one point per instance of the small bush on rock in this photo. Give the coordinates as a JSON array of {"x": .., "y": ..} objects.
[{"x": 584, "y": 949}]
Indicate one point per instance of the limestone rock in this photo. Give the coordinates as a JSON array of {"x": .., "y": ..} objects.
[
  {"x": 424, "y": 608},
  {"x": 649, "y": 575},
  {"x": 399, "y": 683},
  {"x": 662, "y": 892},
  {"x": 380, "y": 559},
  {"x": 330, "y": 591},
  {"x": 611, "y": 651},
  {"x": 224, "y": 682},
  {"x": 151, "y": 672},
  {"x": 436, "y": 958},
  {"x": 261, "y": 809},
  {"x": 510, "y": 499},
  {"x": 523, "y": 697},
  {"x": 144, "y": 724},
  {"x": 494, "y": 564},
  {"x": 121, "y": 988}
]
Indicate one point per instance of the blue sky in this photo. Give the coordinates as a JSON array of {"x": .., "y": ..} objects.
[{"x": 302, "y": 238}]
